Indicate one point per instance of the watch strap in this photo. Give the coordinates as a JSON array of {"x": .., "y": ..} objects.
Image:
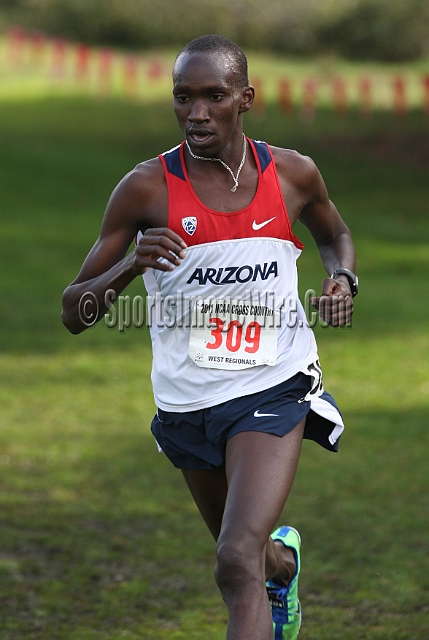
[{"x": 351, "y": 277}]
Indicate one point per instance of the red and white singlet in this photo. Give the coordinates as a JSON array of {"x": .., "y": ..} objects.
[{"x": 227, "y": 322}]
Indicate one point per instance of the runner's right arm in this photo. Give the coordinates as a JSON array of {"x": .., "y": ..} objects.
[{"x": 139, "y": 202}]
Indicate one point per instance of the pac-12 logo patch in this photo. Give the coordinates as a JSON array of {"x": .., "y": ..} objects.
[{"x": 189, "y": 224}]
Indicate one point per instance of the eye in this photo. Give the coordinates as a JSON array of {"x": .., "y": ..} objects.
[
  {"x": 217, "y": 97},
  {"x": 181, "y": 99}
]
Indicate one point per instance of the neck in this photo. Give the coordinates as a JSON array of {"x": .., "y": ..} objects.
[
  {"x": 224, "y": 164},
  {"x": 233, "y": 150}
]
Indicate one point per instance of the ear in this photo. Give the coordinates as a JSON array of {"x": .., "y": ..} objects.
[{"x": 247, "y": 98}]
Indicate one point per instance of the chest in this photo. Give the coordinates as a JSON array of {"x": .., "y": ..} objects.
[{"x": 214, "y": 190}]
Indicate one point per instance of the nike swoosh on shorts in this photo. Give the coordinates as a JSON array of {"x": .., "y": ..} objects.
[
  {"x": 256, "y": 226},
  {"x": 264, "y": 415}
]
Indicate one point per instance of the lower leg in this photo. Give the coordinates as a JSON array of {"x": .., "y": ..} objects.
[
  {"x": 242, "y": 585},
  {"x": 246, "y": 594},
  {"x": 260, "y": 470}
]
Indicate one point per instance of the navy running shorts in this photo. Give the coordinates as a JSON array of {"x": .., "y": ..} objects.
[{"x": 197, "y": 439}]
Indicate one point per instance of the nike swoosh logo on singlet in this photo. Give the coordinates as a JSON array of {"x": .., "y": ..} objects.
[
  {"x": 256, "y": 226},
  {"x": 264, "y": 415}
]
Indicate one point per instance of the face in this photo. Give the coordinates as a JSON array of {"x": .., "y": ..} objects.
[{"x": 207, "y": 104}]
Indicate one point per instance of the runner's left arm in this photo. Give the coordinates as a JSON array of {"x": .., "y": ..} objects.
[{"x": 336, "y": 248}]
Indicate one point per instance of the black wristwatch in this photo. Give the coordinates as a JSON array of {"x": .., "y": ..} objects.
[{"x": 351, "y": 277}]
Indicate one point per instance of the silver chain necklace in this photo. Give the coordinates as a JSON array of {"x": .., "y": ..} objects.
[{"x": 235, "y": 178}]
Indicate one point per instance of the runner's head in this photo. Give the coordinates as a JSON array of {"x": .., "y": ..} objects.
[
  {"x": 234, "y": 59},
  {"x": 211, "y": 92}
]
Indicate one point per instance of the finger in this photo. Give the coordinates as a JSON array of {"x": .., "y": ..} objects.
[
  {"x": 160, "y": 249},
  {"x": 166, "y": 232},
  {"x": 331, "y": 287},
  {"x": 160, "y": 246},
  {"x": 155, "y": 256},
  {"x": 151, "y": 263},
  {"x": 162, "y": 239},
  {"x": 336, "y": 310}
]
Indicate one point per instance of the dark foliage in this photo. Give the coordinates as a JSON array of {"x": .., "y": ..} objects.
[{"x": 389, "y": 30}]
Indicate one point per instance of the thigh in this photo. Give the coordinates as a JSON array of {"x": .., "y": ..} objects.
[
  {"x": 209, "y": 489},
  {"x": 245, "y": 497},
  {"x": 260, "y": 469}
]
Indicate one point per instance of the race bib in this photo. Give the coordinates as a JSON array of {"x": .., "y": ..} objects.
[{"x": 233, "y": 334}]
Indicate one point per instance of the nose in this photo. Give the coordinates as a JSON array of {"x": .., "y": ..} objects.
[{"x": 199, "y": 112}]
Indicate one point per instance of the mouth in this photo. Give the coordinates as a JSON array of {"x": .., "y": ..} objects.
[{"x": 199, "y": 136}]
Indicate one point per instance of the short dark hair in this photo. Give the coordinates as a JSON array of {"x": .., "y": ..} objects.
[{"x": 212, "y": 43}]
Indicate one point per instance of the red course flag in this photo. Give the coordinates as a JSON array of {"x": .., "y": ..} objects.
[
  {"x": 258, "y": 108},
  {"x": 309, "y": 98},
  {"x": 82, "y": 61},
  {"x": 285, "y": 96},
  {"x": 365, "y": 96},
  {"x": 105, "y": 71},
  {"x": 58, "y": 58},
  {"x": 38, "y": 43},
  {"x": 131, "y": 76},
  {"x": 155, "y": 70},
  {"x": 426, "y": 94},
  {"x": 16, "y": 38},
  {"x": 339, "y": 88},
  {"x": 400, "y": 105}
]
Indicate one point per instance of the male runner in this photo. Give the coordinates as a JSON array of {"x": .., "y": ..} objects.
[{"x": 213, "y": 219}]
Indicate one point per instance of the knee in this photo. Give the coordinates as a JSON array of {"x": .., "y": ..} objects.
[{"x": 237, "y": 563}]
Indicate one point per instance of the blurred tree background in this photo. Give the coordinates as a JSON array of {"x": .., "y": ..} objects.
[{"x": 387, "y": 30}]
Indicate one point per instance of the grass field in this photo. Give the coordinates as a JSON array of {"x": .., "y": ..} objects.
[{"x": 99, "y": 539}]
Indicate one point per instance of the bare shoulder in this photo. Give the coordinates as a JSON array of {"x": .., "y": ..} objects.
[
  {"x": 299, "y": 174},
  {"x": 296, "y": 167},
  {"x": 140, "y": 198},
  {"x": 138, "y": 202},
  {"x": 144, "y": 181}
]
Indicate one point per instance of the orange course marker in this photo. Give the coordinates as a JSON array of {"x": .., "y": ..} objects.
[
  {"x": 285, "y": 96},
  {"x": 82, "y": 61},
  {"x": 339, "y": 88},
  {"x": 365, "y": 96},
  {"x": 105, "y": 71},
  {"x": 155, "y": 70},
  {"x": 58, "y": 58},
  {"x": 37, "y": 47},
  {"x": 258, "y": 108},
  {"x": 130, "y": 71},
  {"x": 16, "y": 37},
  {"x": 309, "y": 99},
  {"x": 426, "y": 94},
  {"x": 400, "y": 105}
]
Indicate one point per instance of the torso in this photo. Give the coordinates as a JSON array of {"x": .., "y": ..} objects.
[{"x": 242, "y": 255}]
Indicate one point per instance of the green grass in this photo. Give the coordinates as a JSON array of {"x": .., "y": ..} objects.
[{"x": 99, "y": 538}]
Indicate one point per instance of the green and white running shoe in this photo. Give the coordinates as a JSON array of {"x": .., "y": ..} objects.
[{"x": 285, "y": 606}]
